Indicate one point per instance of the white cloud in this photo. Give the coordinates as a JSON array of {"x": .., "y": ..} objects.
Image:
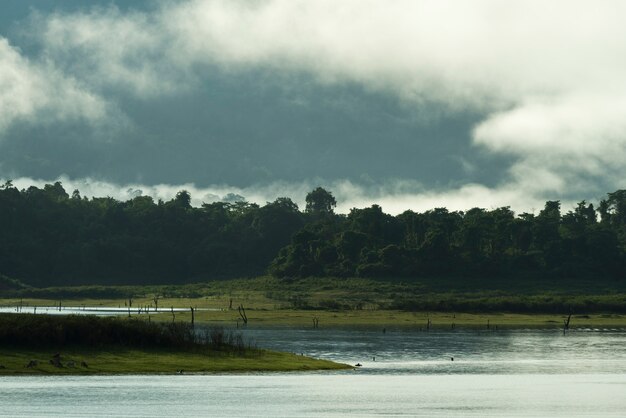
[
  {"x": 36, "y": 92},
  {"x": 393, "y": 196},
  {"x": 561, "y": 143},
  {"x": 479, "y": 53},
  {"x": 109, "y": 49}
]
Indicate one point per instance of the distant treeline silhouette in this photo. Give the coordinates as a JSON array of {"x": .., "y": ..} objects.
[{"x": 49, "y": 238}]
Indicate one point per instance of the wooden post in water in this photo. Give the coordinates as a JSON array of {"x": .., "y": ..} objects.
[
  {"x": 566, "y": 323},
  {"x": 192, "y": 316},
  {"x": 242, "y": 314}
]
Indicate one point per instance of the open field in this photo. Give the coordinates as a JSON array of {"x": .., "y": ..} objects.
[
  {"x": 417, "y": 320},
  {"x": 394, "y": 318},
  {"x": 343, "y": 302}
]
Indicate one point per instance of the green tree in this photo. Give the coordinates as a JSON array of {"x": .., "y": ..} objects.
[
  {"x": 56, "y": 191},
  {"x": 320, "y": 201},
  {"x": 183, "y": 199},
  {"x": 616, "y": 207}
]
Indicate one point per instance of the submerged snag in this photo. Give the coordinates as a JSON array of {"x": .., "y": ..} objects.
[
  {"x": 566, "y": 323},
  {"x": 242, "y": 314}
]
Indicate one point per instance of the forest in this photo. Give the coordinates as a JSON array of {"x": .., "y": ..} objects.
[{"x": 51, "y": 238}]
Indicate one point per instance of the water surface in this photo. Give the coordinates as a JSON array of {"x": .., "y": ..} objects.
[{"x": 520, "y": 373}]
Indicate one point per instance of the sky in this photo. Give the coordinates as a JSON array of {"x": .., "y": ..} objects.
[{"x": 409, "y": 104}]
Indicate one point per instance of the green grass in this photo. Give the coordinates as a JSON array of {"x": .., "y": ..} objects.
[
  {"x": 295, "y": 302},
  {"x": 118, "y": 360},
  {"x": 89, "y": 344},
  {"x": 415, "y": 320}
]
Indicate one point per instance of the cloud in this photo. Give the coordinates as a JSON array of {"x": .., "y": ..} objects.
[
  {"x": 548, "y": 77},
  {"x": 481, "y": 53},
  {"x": 111, "y": 49},
  {"x": 37, "y": 93},
  {"x": 562, "y": 143},
  {"x": 394, "y": 196}
]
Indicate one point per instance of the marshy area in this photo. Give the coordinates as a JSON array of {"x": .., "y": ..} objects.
[
  {"x": 46, "y": 344},
  {"x": 328, "y": 302}
]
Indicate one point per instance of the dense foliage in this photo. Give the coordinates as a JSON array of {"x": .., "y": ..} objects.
[
  {"x": 48, "y": 237},
  {"x": 92, "y": 331},
  {"x": 478, "y": 242}
]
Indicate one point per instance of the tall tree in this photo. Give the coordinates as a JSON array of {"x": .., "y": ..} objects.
[{"x": 320, "y": 201}]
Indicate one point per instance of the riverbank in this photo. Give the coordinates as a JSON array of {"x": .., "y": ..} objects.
[
  {"x": 72, "y": 344},
  {"x": 416, "y": 320},
  {"x": 87, "y": 361},
  {"x": 268, "y": 301},
  {"x": 303, "y": 319},
  {"x": 528, "y": 295}
]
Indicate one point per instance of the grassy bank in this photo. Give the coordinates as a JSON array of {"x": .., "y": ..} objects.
[
  {"x": 43, "y": 344},
  {"x": 116, "y": 360},
  {"x": 529, "y": 301},
  {"x": 303, "y": 319},
  {"x": 414, "y": 320}
]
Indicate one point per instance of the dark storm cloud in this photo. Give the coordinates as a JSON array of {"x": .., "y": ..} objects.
[
  {"x": 241, "y": 131},
  {"x": 403, "y": 103}
]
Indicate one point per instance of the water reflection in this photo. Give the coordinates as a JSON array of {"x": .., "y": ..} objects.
[
  {"x": 93, "y": 310},
  {"x": 314, "y": 395},
  {"x": 473, "y": 351}
]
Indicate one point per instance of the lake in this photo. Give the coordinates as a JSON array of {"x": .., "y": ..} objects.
[{"x": 404, "y": 373}]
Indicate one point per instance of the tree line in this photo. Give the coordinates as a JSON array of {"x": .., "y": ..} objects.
[{"x": 49, "y": 237}]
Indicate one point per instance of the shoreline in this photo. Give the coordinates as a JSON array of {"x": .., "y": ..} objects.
[
  {"x": 304, "y": 319},
  {"x": 403, "y": 319},
  {"x": 77, "y": 361}
]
